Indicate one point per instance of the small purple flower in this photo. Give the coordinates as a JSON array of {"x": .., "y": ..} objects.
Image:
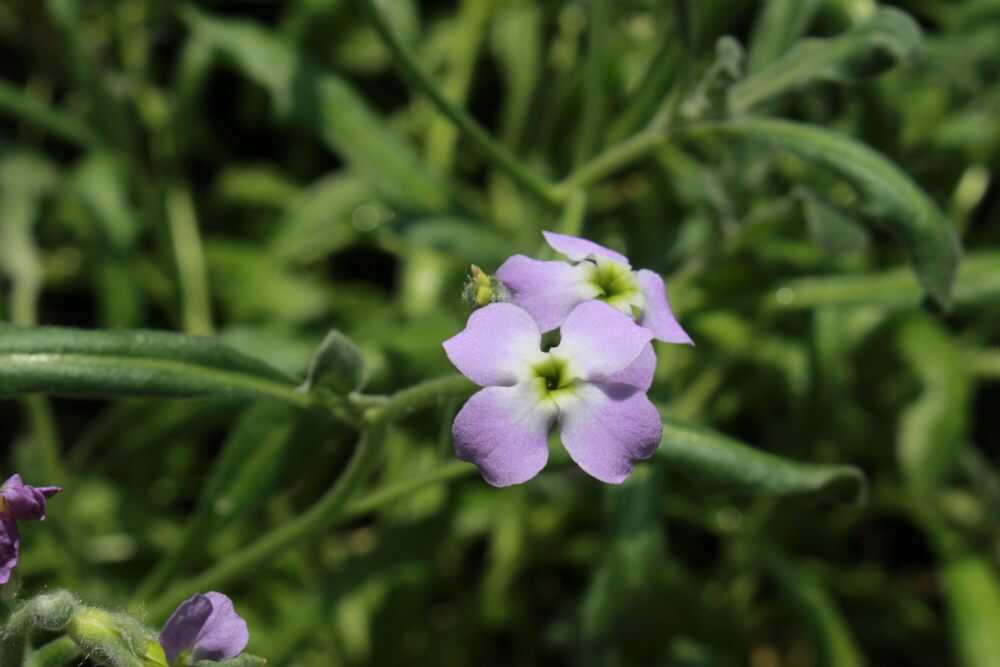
[
  {"x": 593, "y": 384},
  {"x": 18, "y": 502},
  {"x": 550, "y": 290},
  {"x": 207, "y": 627}
]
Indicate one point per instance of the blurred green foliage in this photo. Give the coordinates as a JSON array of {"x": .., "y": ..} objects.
[{"x": 266, "y": 172}]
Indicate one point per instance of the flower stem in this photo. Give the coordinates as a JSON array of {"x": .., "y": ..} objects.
[
  {"x": 487, "y": 144},
  {"x": 331, "y": 507},
  {"x": 571, "y": 220}
]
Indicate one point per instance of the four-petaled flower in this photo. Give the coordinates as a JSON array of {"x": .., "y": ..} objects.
[
  {"x": 593, "y": 384},
  {"x": 204, "y": 627},
  {"x": 18, "y": 502},
  {"x": 550, "y": 290}
]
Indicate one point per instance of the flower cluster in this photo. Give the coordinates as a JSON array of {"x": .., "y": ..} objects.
[
  {"x": 18, "y": 502},
  {"x": 592, "y": 384}
]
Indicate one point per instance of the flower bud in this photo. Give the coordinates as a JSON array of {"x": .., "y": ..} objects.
[
  {"x": 116, "y": 639},
  {"x": 482, "y": 289}
]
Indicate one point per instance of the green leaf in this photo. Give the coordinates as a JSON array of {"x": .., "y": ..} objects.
[
  {"x": 99, "y": 185},
  {"x": 978, "y": 280},
  {"x": 326, "y": 217},
  {"x": 973, "y": 597},
  {"x": 715, "y": 460},
  {"x": 75, "y": 362},
  {"x": 832, "y": 228},
  {"x": 933, "y": 429},
  {"x": 887, "y": 193},
  {"x": 890, "y": 36},
  {"x": 325, "y": 104},
  {"x": 778, "y": 24},
  {"x": 338, "y": 365},
  {"x": 517, "y": 43}
]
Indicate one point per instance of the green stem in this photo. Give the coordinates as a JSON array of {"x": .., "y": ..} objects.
[
  {"x": 17, "y": 103},
  {"x": 466, "y": 123},
  {"x": 317, "y": 520},
  {"x": 614, "y": 159},
  {"x": 190, "y": 257},
  {"x": 571, "y": 221},
  {"x": 391, "y": 492},
  {"x": 465, "y": 43},
  {"x": 57, "y": 653}
]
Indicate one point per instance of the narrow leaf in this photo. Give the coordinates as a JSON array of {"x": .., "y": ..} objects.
[
  {"x": 886, "y": 193},
  {"x": 978, "y": 280},
  {"x": 779, "y": 23},
  {"x": 890, "y": 36},
  {"x": 75, "y": 362},
  {"x": 709, "y": 458}
]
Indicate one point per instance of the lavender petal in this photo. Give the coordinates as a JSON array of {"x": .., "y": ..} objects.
[
  {"x": 606, "y": 429},
  {"x": 504, "y": 432},
  {"x": 657, "y": 316},
  {"x": 547, "y": 290}
]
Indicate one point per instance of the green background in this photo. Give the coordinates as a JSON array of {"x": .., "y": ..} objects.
[{"x": 263, "y": 172}]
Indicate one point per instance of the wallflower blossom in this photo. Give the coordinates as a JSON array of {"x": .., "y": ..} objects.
[
  {"x": 204, "y": 627},
  {"x": 18, "y": 502},
  {"x": 593, "y": 384},
  {"x": 550, "y": 290}
]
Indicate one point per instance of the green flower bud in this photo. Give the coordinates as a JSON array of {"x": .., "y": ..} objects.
[
  {"x": 482, "y": 289},
  {"x": 116, "y": 640}
]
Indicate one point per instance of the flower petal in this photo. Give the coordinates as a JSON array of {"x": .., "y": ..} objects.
[
  {"x": 607, "y": 428},
  {"x": 639, "y": 373},
  {"x": 224, "y": 634},
  {"x": 657, "y": 315},
  {"x": 599, "y": 341},
  {"x": 579, "y": 249},
  {"x": 547, "y": 290},
  {"x": 23, "y": 501},
  {"x": 182, "y": 628},
  {"x": 504, "y": 431},
  {"x": 10, "y": 547},
  {"x": 497, "y": 346}
]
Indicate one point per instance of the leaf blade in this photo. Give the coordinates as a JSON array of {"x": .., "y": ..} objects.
[{"x": 888, "y": 193}]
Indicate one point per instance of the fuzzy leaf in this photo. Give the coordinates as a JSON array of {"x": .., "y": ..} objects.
[
  {"x": 731, "y": 466},
  {"x": 75, "y": 362}
]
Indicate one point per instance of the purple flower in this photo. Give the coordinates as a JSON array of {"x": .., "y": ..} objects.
[
  {"x": 18, "y": 502},
  {"x": 206, "y": 626},
  {"x": 593, "y": 385},
  {"x": 550, "y": 290}
]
